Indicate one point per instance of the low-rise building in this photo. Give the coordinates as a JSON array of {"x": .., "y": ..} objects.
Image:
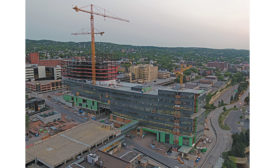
[
  {"x": 44, "y": 86},
  {"x": 49, "y": 116},
  {"x": 218, "y": 65},
  {"x": 205, "y": 81},
  {"x": 29, "y": 74},
  {"x": 34, "y": 104},
  {"x": 144, "y": 72},
  {"x": 33, "y": 58},
  {"x": 163, "y": 74},
  {"x": 35, "y": 72},
  {"x": 212, "y": 78}
]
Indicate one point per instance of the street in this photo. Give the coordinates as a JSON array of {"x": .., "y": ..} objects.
[
  {"x": 223, "y": 137},
  {"x": 70, "y": 113},
  {"x": 226, "y": 96}
]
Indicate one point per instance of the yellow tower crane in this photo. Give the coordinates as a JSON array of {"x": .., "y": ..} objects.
[
  {"x": 92, "y": 13},
  {"x": 181, "y": 74}
]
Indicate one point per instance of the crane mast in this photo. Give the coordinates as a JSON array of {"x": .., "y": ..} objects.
[
  {"x": 92, "y": 13},
  {"x": 181, "y": 73},
  {"x": 93, "y": 47}
]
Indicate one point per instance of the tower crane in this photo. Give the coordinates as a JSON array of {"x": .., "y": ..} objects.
[
  {"x": 92, "y": 13},
  {"x": 84, "y": 33},
  {"x": 181, "y": 73}
]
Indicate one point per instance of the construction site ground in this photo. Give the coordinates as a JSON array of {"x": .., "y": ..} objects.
[
  {"x": 147, "y": 141},
  {"x": 45, "y": 130}
]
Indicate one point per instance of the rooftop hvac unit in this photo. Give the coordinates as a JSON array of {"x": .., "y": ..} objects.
[{"x": 92, "y": 158}]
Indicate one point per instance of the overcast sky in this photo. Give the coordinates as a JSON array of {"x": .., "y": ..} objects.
[{"x": 170, "y": 23}]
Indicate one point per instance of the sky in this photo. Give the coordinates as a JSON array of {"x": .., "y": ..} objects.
[{"x": 164, "y": 23}]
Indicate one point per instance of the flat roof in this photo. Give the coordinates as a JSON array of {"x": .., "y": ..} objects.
[
  {"x": 34, "y": 99},
  {"x": 66, "y": 145},
  {"x": 126, "y": 86},
  {"x": 44, "y": 81},
  {"x": 110, "y": 161}
]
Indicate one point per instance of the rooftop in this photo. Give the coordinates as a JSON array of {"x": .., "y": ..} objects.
[
  {"x": 66, "y": 145},
  {"x": 44, "y": 81},
  {"x": 34, "y": 99},
  {"x": 48, "y": 113},
  {"x": 125, "y": 86},
  {"x": 110, "y": 161}
]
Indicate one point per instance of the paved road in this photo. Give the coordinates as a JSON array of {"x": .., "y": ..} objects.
[
  {"x": 63, "y": 109},
  {"x": 171, "y": 163},
  {"x": 223, "y": 137},
  {"x": 67, "y": 111},
  {"x": 233, "y": 119},
  {"x": 226, "y": 96}
]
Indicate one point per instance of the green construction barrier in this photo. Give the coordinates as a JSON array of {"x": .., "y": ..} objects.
[
  {"x": 171, "y": 139},
  {"x": 150, "y": 130},
  {"x": 158, "y": 137},
  {"x": 75, "y": 100},
  {"x": 204, "y": 150},
  {"x": 67, "y": 98},
  {"x": 162, "y": 137},
  {"x": 180, "y": 141},
  {"x": 90, "y": 104}
]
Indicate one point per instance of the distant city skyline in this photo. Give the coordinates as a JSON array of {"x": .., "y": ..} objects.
[{"x": 178, "y": 23}]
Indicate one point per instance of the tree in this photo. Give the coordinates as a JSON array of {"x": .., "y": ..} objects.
[
  {"x": 227, "y": 74},
  {"x": 222, "y": 103},
  {"x": 220, "y": 78},
  {"x": 224, "y": 108},
  {"x": 246, "y": 100},
  {"x": 229, "y": 164}
]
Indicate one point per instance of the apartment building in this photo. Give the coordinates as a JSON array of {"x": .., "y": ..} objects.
[{"x": 144, "y": 72}]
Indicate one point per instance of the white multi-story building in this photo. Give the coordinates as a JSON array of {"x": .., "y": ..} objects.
[
  {"x": 29, "y": 72},
  {"x": 57, "y": 72}
]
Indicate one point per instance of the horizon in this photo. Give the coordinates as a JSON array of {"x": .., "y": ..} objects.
[{"x": 139, "y": 45}]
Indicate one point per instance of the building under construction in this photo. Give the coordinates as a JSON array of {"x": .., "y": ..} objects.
[
  {"x": 106, "y": 69},
  {"x": 174, "y": 115}
]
